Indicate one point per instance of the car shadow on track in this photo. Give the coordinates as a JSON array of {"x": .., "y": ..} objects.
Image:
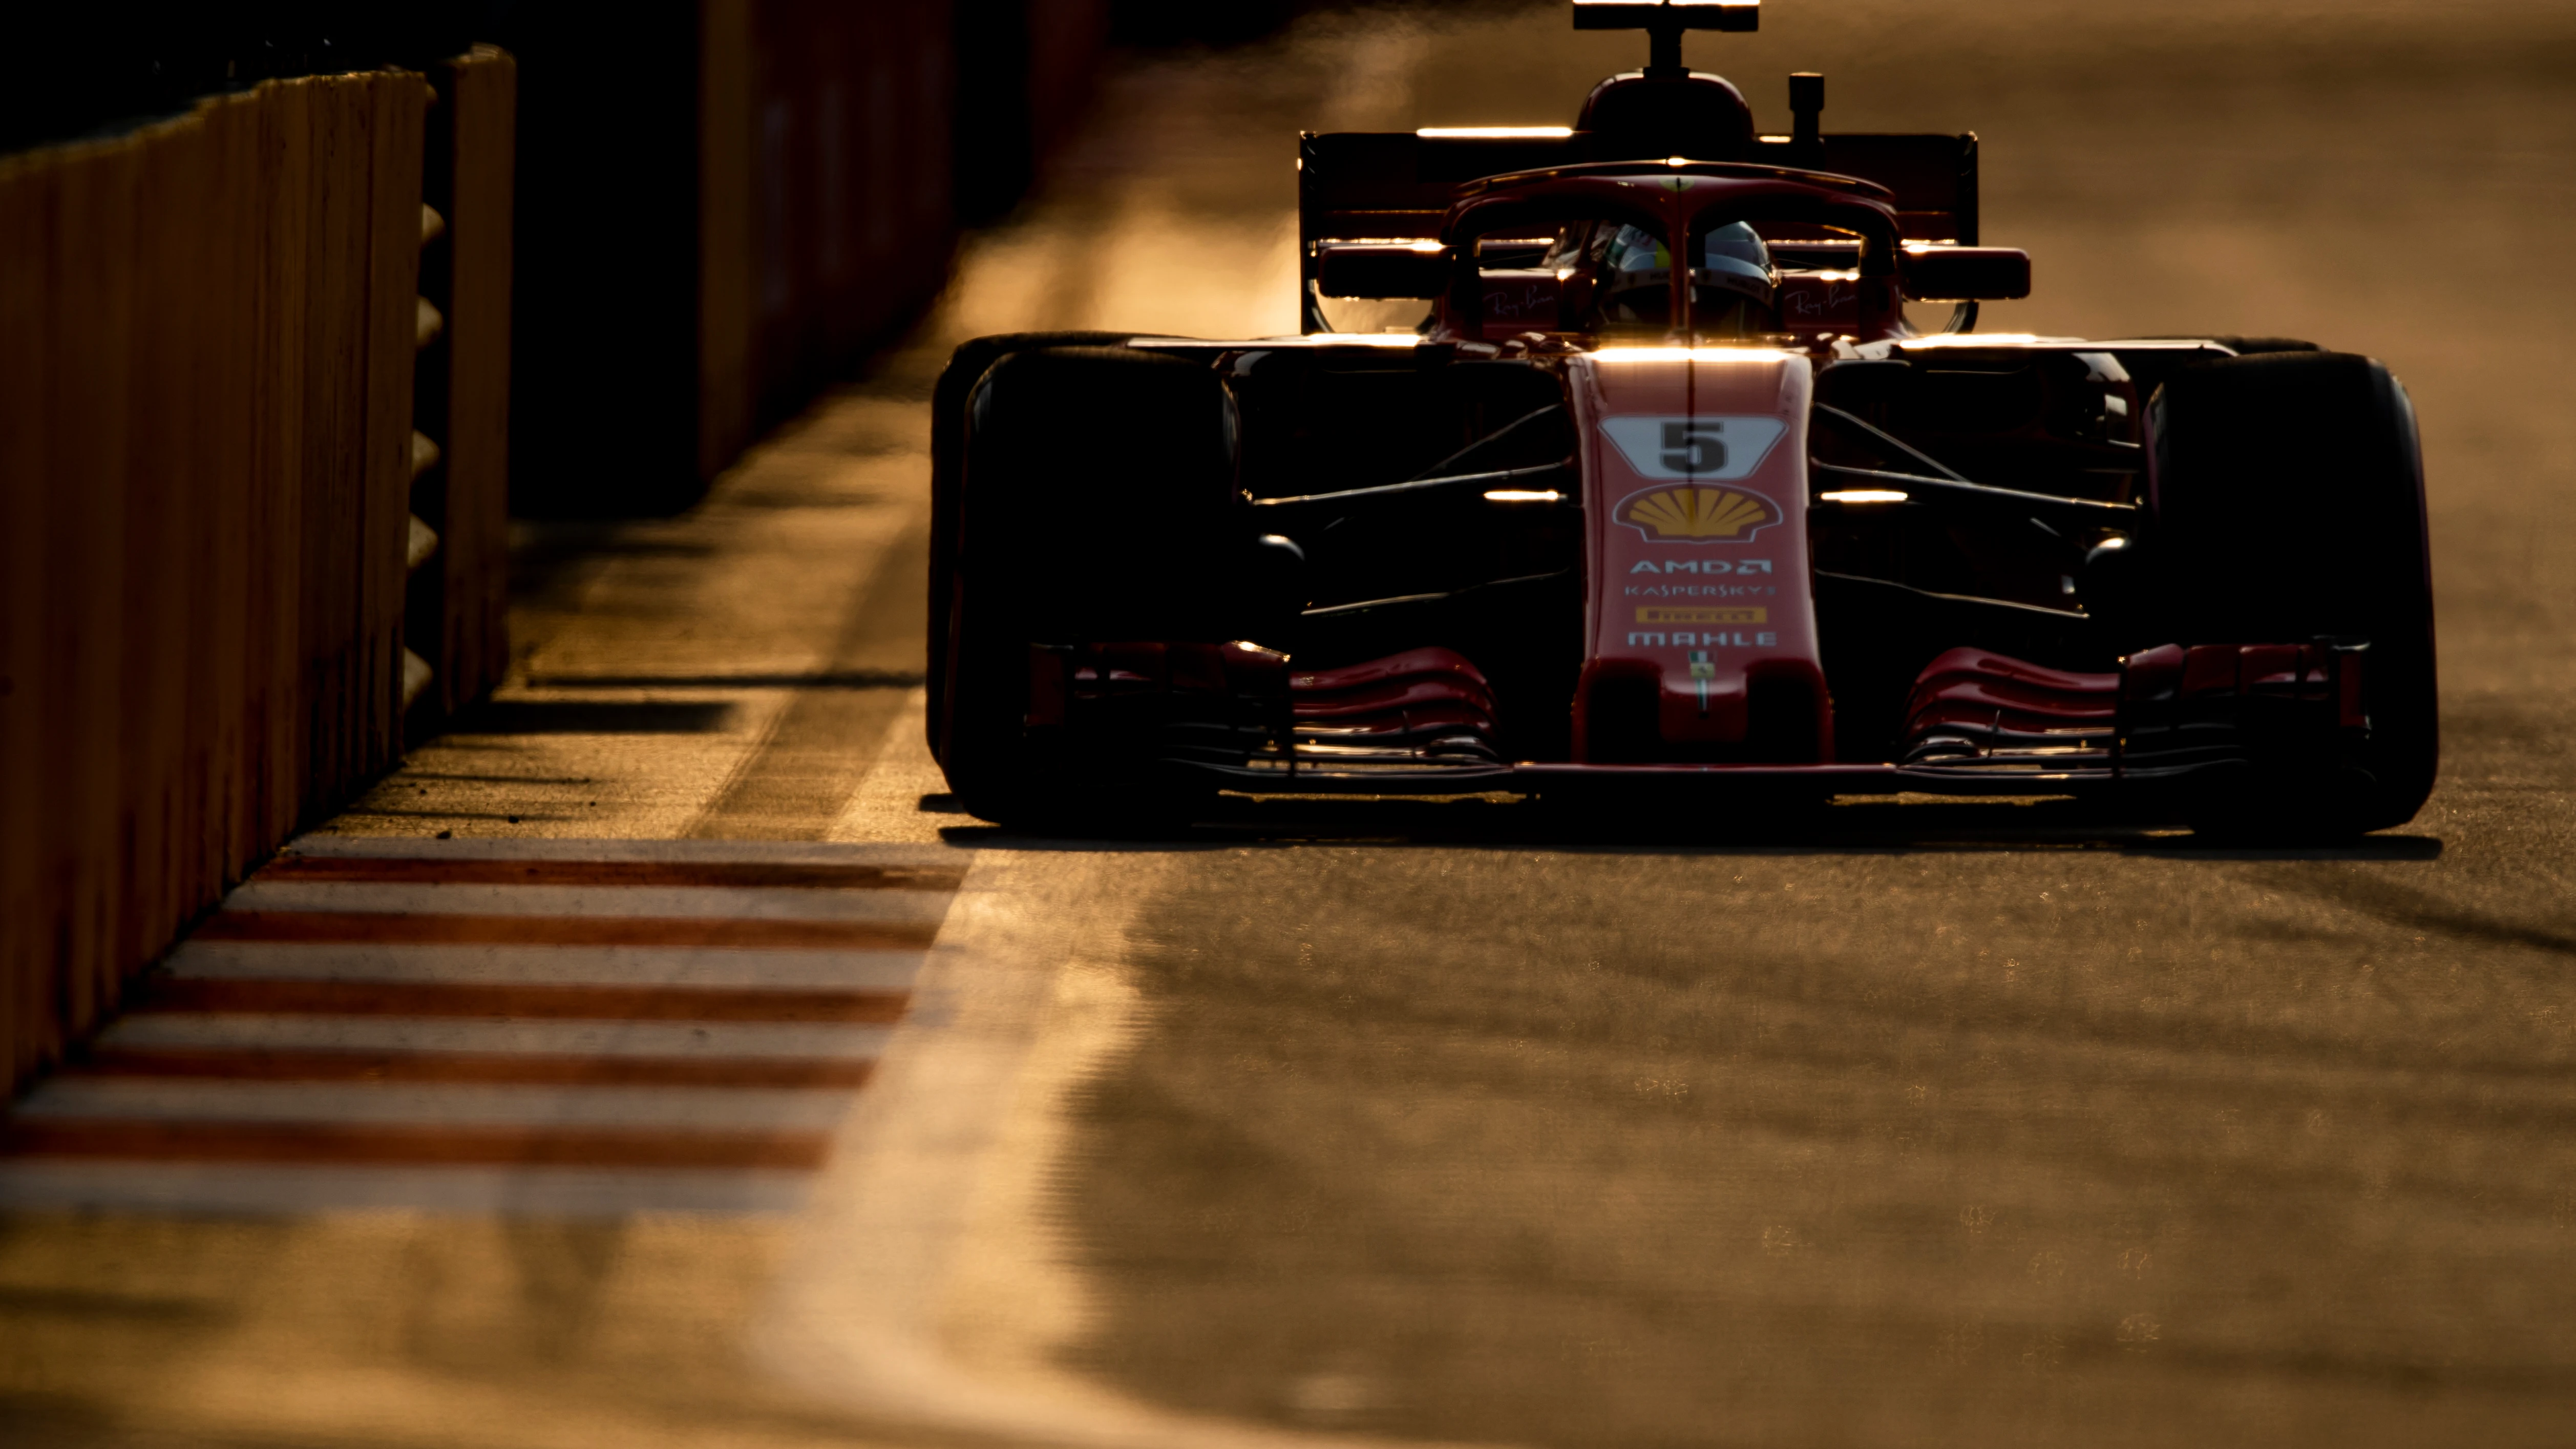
[{"x": 1867, "y": 825}]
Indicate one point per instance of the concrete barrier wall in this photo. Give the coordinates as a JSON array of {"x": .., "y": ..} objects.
[
  {"x": 256, "y": 413},
  {"x": 208, "y": 331},
  {"x": 726, "y": 204},
  {"x": 826, "y": 207},
  {"x": 458, "y": 616}
]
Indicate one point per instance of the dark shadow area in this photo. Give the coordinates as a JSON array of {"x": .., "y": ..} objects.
[
  {"x": 2434, "y": 915},
  {"x": 1776, "y": 1111},
  {"x": 77, "y": 1303},
  {"x": 550, "y": 561},
  {"x": 87, "y": 71},
  {"x": 68, "y": 1421},
  {"x": 505, "y": 818},
  {"x": 1760, "y": 828},
  {"x": 818, "y": 679},
  {"x": 411, "y": 775},
  {"x": 584, "y": 717},
  {"x": 49, "y": 1419},
  {"x": 1168, "y": 23},
  {"x": 2368, "y": 847}
]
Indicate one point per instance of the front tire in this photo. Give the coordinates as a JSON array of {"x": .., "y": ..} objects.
[
  {"x": 948, "y": 429},
  {"x": 2289, "y": 501},
  {"x": 1093, "y": 504}
]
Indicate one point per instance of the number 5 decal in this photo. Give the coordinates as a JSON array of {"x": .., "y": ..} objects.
[
  {"x": 1713, "y": 449},
  {"x": 1695, "y": 447}
]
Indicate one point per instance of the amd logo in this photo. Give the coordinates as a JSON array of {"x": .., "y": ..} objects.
[{"x": 1701, "y": 566}]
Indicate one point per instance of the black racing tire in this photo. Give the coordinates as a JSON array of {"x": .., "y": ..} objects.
[
  {"x": 1094, "y": 502},
  {"x": 948, "y": 426},
  {"x": 2289, "y": 505}
]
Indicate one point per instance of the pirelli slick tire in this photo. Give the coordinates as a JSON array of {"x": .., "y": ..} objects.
[
  {"x": 1093, "y": 502},
  {"x": 2289, "y": 504},
  {"x": 948, "y": 429}
]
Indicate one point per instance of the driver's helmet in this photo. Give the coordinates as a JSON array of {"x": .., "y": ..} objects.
[
  {"x": 1635, "y": 274},
  {"x": 1734, "y": 259},
  {"x": 1636, "y": 253}
]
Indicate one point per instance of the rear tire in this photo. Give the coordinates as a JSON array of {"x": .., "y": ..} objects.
[
  {"x": 2289, "y": 501},
  {"x": 1093, "y": 503}
]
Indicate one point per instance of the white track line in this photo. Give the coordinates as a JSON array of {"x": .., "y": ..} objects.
[
  {"x": 253, "y": 1032},
  {"x": 887, "y": 806},
  {"x": 777, "y": 970},
  {"x": 929, "y": 1283},
  {"x": 668, "y": 902},
  {"x": 261, "y": 1188},
  {"x": 165, "y": 1099}
]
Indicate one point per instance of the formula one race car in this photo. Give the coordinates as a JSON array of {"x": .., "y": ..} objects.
[{"x": 1667, "y": 491}]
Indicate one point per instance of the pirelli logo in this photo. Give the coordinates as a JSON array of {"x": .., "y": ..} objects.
[{"x": 1653, "y": 615}]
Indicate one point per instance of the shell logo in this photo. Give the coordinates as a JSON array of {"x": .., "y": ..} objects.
[{"x": 1698, "y": 515}]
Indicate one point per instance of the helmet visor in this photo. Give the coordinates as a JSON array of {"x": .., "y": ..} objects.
[
  {"x": 1733, "y": 259},
  {"x": 1635, "y": 275},
  {"x": 1733, "y": 284}
]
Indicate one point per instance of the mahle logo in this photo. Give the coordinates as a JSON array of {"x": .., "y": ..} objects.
[{"x": 1697, "y": 515}]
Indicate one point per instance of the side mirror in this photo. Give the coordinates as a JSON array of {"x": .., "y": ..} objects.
[
  {"x": 1964, "y": 274},
  {"x": 1382, "y": 269}
]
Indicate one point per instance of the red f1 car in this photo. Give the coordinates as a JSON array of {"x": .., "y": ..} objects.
[{"x": 1668, "y": 491}]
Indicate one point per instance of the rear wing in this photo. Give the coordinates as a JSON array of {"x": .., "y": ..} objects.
[{"x": 1397, "y": 185}]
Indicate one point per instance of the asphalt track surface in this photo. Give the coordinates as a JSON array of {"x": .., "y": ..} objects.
[{"x": 1901, "y": 1124}]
